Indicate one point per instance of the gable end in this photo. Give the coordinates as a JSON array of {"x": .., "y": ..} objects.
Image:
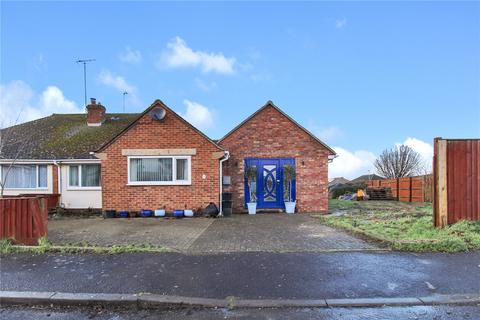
[{"x": 271, "y": 104}]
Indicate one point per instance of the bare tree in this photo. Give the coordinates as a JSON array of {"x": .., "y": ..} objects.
[
  {"x": 6, "y": 143},
  {"x": 400, "y": 161}
]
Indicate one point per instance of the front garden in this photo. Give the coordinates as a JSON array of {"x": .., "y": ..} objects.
[{"x": 402, "y": 226}]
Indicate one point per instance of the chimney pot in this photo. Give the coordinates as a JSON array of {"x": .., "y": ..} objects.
[{"x": 93, "y": 101}]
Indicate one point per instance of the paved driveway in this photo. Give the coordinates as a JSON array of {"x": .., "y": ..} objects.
[{"x": 240, "y": 233}]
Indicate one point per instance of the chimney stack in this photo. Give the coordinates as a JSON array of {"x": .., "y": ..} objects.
[{"x": 95, "y": 113}]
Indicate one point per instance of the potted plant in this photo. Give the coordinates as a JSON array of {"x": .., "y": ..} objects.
[
  {"x": 289, "y": 176},
  {"x": 251, "y": 175}
]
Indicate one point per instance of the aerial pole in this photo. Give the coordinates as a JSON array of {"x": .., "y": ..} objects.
[
  {"x": 124, "y": 94},
  {"x": 85, "y": 61}
]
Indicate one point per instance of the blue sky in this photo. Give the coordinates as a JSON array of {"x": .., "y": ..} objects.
[{"x": 361, "y": 76}]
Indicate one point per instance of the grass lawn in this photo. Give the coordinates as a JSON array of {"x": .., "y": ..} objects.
[{"x": 403, "y": 226}]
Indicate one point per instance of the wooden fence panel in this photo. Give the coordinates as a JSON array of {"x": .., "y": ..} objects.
[
  {"x": 408, "y": 189},
  {"x": 456, "y": 180},
  {"x": 24, "y": 220}
]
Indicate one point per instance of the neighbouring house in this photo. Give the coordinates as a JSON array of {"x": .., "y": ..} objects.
[
  {"x": 157, "y": 159},
  {"x": 337, "y": 181},
  {"x": 53, "y": 155},
  {"x": 363, "y": 179}
]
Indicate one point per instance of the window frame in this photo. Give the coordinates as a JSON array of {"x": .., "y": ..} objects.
[
  {"x": 37, "y": 175},
  {"x": 79, "y": 177},
  {"x": 174, "y": 181}
]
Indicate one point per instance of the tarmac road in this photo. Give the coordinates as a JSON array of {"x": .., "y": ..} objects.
[{"x": 247, "y": 275}]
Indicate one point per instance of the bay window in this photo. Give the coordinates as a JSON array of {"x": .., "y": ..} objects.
[
  {"x": 24, "y": 176},
  {"x": 159, "y": 170},
  {"x": 84, "y": 176}
]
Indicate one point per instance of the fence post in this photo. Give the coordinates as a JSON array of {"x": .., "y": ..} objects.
[
  {"x": 440, "y": 182},
  {"x": 410, "y": 189},
  {"x": 398, "y": 188}
]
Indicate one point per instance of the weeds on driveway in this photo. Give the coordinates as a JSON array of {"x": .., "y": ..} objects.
[
  {"x": 403, "y": 226},
  {"x": 45, "y": 246}
]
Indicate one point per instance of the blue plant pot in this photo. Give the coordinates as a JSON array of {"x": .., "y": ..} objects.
[
  {"x": 123, "y": 214},
  {"x": 178, "y": 213},
  {"x": 146, "y": 213}
]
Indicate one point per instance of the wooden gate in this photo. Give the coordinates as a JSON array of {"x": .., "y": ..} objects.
[
  {"x": 456, "y": 170},
  {"x": 24, "y": 220}
]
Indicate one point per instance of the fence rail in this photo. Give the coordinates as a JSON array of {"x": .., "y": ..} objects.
[
  {"x": 24, "y": 220},
  {"x": 408, "y": 189},
  {"x": 456, "y": 169}
]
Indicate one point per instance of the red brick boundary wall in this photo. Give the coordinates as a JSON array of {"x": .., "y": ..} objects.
[{"x": 408, "y": 189}]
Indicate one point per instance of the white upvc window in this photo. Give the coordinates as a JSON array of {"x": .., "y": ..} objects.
[
  {"x": 24, "y": 176},
  {"x": 159, "y": 170},
  {"x": 84, "y": 176}
]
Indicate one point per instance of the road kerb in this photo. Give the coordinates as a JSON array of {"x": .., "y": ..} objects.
[
  {"x": 156, "y": 301},
  {"x": 451, "y": 299},
  {"x": 374, "y": 302}
]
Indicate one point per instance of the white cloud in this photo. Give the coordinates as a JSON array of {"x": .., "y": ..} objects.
[
  {"x": 52, "y": 100},
  {"x": 19, "y": 103},
  {"x": 198, "y": 115},
  {"x": 130, "y": 56},
  {"x": 424, "y": 149},
  {"x": 179, "y": 54},
  {"x": 340, "y": 23},
  {"x": 116, "y": 82},
  {"x": 353, "y": 164},
  {"x": 350, "y": 165},
  {"x": 120, "y": 84}
]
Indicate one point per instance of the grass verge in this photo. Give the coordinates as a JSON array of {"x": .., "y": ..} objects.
[
  {"x": 44, "y": 246},
  {"x": 403, "y": 226}
]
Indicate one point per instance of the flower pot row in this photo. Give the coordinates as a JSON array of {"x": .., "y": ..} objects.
[{"x": 147, "y": 213}]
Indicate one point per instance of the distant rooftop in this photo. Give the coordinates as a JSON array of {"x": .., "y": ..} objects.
[{"x": 366, "y": 177}]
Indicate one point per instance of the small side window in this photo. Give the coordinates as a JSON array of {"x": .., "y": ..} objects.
[
  {"x": 42, "y": 176},
  {"x": 73, "y": 176}
]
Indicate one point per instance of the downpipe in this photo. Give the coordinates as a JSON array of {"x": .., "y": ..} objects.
[{"x": 226, "y": 156}]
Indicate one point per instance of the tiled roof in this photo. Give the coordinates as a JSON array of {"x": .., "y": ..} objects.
[{"x": 61, "y": 136}]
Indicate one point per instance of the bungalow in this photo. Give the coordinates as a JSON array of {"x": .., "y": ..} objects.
[{"x": 157, "y": 159}]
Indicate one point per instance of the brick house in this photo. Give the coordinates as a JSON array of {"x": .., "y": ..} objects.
[
  {"x": 160, "y": 163},
  {"x": 269, "y": 139},
  {"x": 157, "y": 159}
]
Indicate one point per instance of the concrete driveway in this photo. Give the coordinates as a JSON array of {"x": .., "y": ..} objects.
[{"x": 239, "y": 233}]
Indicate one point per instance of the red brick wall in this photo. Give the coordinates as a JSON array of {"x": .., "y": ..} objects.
[
  {"x": 272, "y": 135},
  {"x": 173, "y": 133},
  {"x": 55, "y": 178}
]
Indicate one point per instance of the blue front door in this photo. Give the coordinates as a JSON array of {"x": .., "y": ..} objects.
[{"x": 269, "y": 189}]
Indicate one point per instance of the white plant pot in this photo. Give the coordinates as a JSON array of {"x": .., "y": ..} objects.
[
  {"x": 188, "y": 213},
  {"x": 290, "y": 207},
  {"x": 252, "y": 207},
  {"x": 159, "y": 213}
]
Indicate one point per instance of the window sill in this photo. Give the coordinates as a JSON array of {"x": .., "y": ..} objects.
[
  {"x": 84, "y": 188},
  {"x": 31, "y": 189},
  {"x": 148, "y": 184}
]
